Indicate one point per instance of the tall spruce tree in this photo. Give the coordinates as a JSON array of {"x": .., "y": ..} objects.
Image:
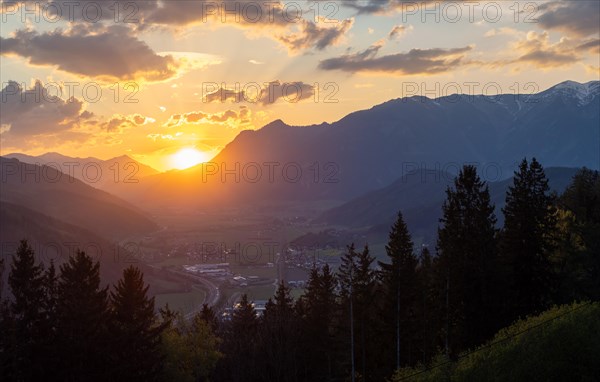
[
  {"x": 428, "y": 312},
  {"x": 358, "y": 287},
  {"x": 526, "y": 242},
  {"x": 582, "y": 269},
  {"x": 82, "y": 317},
  {"x": 48, "y": 326},
  {"x": 210, "y": 317},
  {"x": 280, "y": 338},
  {"x": 2, "y": 279},
  {"x": 134, "y": 328},
  {"x": 320, "y": 324},
  {"x": 26, "y": 281},
  {"x": 400, "y": 288},
  {"x": 467, "y": 258},
  {"x": 5, "y": 330},
  {"x": 8, "y": 342},
  {"x": 240, "y": 344},
  {"x": 51, "y": 291}
]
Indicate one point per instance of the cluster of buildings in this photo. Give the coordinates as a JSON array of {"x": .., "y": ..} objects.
[
  {"x": 307, "y": 259},
  {"x": 222, "y": 272},
  {"x": 213, "y": 270},
  {"x": 259, "y": 306}
]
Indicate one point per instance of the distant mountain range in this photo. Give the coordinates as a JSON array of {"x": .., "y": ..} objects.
[
  {"x": 420, "y": 197},
  {"x": 45, "y": 190},
  {"x": 59, "y": 214},
  {"x": 371, "y": 149},
  {"x": 98, "y": 173},
  {"x": 53, "y": 239}
]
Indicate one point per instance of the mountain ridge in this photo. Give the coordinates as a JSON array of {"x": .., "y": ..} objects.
[
  {"x": 46, "y": 190},
  {"x": 419, "y": 196},
  {"x": 370, "y": 149}
]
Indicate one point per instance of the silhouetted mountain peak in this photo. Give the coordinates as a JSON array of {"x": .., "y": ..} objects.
[
  {"x": 122, "y": 158},
  {"x": 591, "y": 86},
  {"x": 276, "y": 124},
  {"x": 54, "y": 156}
]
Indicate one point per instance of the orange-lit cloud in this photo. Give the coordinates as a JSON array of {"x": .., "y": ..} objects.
[
  {"x": 536, "y": 49},
  {"x": 111, "y": 52},
  {"x": 118, "y": 123},
  {"x": 318, "y": 35},
  {"x": 229, "y": 118}
]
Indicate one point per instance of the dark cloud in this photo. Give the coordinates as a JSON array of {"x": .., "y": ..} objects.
[
  {"x": 279, "y": 19},
  {"x": 319, "y": 36},
  {"x": 415, "y": 61},
  {"x": 580, "y": 18},
  {"x": 271, "y": 93},
  {"x": 224, "y": 95},
  {"x": 592, "y": 46},
  {"x": 273, "y": 16},
  {"x": 33, "y": 118},
  {"x": 370, "y": 6},
  {"x": 398, "y": 31},
  {"x": 288, "y": 91},
  {"x": 548, "y": 58},
  {"x": 380, "y": 6},
  {"x": 35, "y": 112},
  {"x": 245, "y": 13},
  {"x": 127, "y": 12},
  {"x": 102, "y": 52}
]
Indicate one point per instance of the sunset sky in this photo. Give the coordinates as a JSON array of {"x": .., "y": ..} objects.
[{"x": 172, "y": 75}]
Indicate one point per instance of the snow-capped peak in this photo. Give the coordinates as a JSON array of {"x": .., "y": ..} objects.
[{"x": 584, "y": 93}]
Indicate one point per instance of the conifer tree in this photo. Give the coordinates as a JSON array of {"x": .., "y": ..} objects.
[
  {"x": 51, "y": 291},
  {"x": 8, "y": 342},
  {"x": 582, "y": 269},
  {"x": 429, "y": 310},
  {"x": 400, "y": 289},
  {"x": 467, "y": 258},
  {"x": 526, "y": 242},
  {"x": 26, "y": 281},
  {"x": 2, "y": 279},
  {"x": 319, "y": 323},
  {"x": 280, "y": 337},
  {"x": 134, "y": 328},
  {"x": 82, "y": 318},
  {"x": 358, "y": 286},
  {"x": 48, "y": 325},
  {"x": 239, "y": 344},
  {"x": 7, "y": 333},
  {"x": 209, "y": 316}
]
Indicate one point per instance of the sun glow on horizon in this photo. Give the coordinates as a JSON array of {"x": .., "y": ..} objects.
[{"x": 187, "y": 157}]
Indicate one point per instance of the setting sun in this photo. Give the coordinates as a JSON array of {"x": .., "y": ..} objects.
[{"x": 188, "y": 157}]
